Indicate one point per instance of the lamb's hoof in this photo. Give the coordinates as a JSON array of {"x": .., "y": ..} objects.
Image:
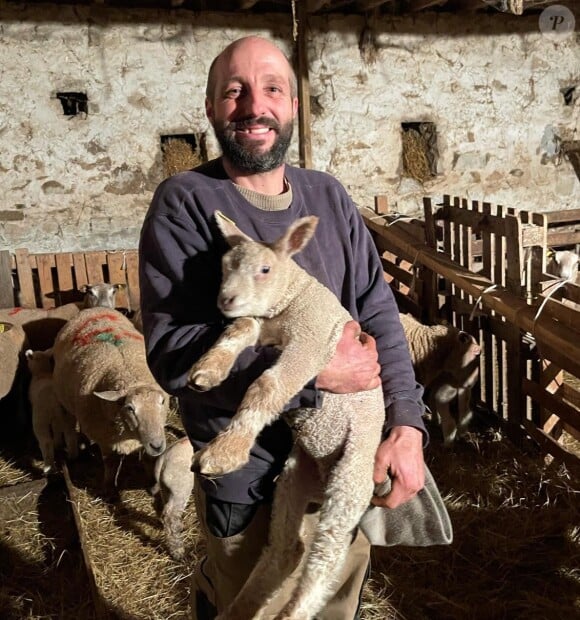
[
  {"x": 203, "y": 380},
  {"x": 224, "y": 455}
]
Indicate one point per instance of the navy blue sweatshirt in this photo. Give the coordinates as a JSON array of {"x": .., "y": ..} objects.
[{"x": 180, "y": 271}]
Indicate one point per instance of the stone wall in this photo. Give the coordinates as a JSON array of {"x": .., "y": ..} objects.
[{"x": 489, "y": 91}]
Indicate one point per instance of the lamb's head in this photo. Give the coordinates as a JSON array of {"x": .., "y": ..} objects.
[
  {"x": 462, "y": 363},
  {"x": 564, "y": 264},
  {"x": 256, "y": 275},
  {"x": 101, "y": 295},
  {"x": 143, "y": 412},
  {"x": 39, "y": 362}
]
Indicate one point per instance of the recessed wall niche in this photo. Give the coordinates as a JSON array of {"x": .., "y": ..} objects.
[
  {"x": 182, "y": 151},
  {"x": 419, "y": 155}
]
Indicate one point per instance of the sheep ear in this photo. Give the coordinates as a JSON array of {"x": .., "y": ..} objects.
[
  {"x": 112, "y": 396},
  {"x": 232, "y": 234},
  {"x": 297, "y": 236}
]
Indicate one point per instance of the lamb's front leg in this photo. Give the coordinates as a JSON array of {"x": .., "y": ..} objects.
[
  {"x": 215, "y": 365},
  {"x": 263, "y": 402}
]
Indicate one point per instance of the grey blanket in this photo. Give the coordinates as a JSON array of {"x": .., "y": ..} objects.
[{"x": 421, "y": 522}]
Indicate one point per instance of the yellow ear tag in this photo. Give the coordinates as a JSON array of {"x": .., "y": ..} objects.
[{"x": 2, "y": 326}]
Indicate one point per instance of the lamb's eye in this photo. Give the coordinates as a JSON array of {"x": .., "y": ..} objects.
[{"x": 265, "y": 269}]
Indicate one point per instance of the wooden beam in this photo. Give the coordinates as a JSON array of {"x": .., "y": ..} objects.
[
  {"x": 369, "y": 5},
  {"x": 247, "y": 4},
  {"x": 6, "y": 286},
  {"x": 304, "y": 119}
]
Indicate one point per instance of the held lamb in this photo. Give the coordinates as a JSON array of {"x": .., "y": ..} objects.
[
  {"x": 275, "y": 302},
  {"x": 446, "y": 362},
  {"x": 54, "y": 428},
  {"x": 101, "y": 377},
  {"x": 173, "y": 486}
]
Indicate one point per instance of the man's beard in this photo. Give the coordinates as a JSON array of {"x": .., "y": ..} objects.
[{"x": 251, "y": 160}]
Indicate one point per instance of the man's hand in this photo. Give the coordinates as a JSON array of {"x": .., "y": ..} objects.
[
  {"x": 355, "y": 365},
  {"x": 400, "y": 456}
]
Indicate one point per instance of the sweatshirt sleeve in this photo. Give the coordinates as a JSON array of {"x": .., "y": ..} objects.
[
  {"x": 379, "y": 317},
  {"x": 179, "y": 272}
]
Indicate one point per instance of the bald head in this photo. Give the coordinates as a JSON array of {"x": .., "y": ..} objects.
[{"x": 248, "y": 45}]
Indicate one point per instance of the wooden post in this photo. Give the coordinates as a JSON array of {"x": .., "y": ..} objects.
[
  {"x": 304, "y": 123},
  {"x": 6, "y": 288}
]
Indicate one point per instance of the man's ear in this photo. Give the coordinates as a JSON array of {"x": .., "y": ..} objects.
[
  {"x": 295, "y": 105},
  {"x": 209, "y": 109}
]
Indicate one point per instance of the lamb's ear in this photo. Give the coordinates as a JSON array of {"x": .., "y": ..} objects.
[
  {"x": 297, "y": 236},
  {"x": 112, "y": 396},
  {"x": 232, "y": 234}
]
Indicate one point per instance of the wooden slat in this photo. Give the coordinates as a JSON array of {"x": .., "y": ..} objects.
[
  {"x": 80, "y": 268},
  {"x": 6, "y": 286},
  {"x": 565, "y": 215},
  {"x": 45, "y": 263},
  {"x": 133, "y": 278},
  {"x": 552, "y": 403},
  {"x": 94, "y": 262},
  {"x": 118, "y": 275},
  {"x": 27, "y": 297},
  {"x": 556, "y": 239},
  {"x": 66, "y": 287},
  {"x": 549, "y": 445}
]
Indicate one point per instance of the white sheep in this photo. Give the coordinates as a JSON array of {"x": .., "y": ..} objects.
[
  {"x": 276, "y": 302},
  {"x": 12, "y": 344},
  {"x": 102, "y": 295},
  {"x": 446, "y": 363},
  {"x": 101, "y": 377},
  {"x": 54, "y": 428},
  {"x": 173, "y": 486},
  {"x": 564, "y": 264}
]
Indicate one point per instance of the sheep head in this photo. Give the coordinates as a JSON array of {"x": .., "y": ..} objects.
[{"x": 256, "y": 275}]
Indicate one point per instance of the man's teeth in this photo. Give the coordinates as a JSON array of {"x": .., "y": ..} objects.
[{"x": 257, "y": 130}]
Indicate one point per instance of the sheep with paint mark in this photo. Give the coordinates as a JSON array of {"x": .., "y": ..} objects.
[
  {"x": 101, "y": 377},
  {"x": 173, "y": 487},
  {"x": 53, "y": 427},
  {"x": 276, "y": 302},
  {"x": 446, "y": 362}
]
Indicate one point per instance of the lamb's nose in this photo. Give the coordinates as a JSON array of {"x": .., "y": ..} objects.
[
  {"x": 226, "y": 301},
  {"x": 157, "y": 448}
]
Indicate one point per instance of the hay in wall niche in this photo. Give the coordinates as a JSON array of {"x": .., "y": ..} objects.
[
  {"x": 415, "y": 160},
  {"x": 178, "y": 156}
]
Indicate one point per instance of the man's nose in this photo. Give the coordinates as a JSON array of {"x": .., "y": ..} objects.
[{"x": 254, "y": 103}]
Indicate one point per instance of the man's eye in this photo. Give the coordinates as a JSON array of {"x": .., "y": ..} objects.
[{"x": 265, "y": 269}]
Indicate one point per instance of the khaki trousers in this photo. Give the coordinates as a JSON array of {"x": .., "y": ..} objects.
[{"x": 229, "y": 561}]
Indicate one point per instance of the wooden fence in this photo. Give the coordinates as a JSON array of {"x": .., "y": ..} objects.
[
  {"x": 49, "y": 280},
  {"x": 482, "y": 268}
]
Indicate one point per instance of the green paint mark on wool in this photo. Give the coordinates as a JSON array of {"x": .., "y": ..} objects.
[{"x": 110, "y": 338}]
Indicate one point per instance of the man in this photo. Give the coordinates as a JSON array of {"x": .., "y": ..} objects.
[{"x": 251, "y": 103}]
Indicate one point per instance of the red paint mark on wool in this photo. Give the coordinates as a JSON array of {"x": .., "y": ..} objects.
[{"x": 15, "y": 311}]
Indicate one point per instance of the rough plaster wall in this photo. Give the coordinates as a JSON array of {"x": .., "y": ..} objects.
[
  {"x": 79, "y": 183},
  {"x": 491, "y": 87}
]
